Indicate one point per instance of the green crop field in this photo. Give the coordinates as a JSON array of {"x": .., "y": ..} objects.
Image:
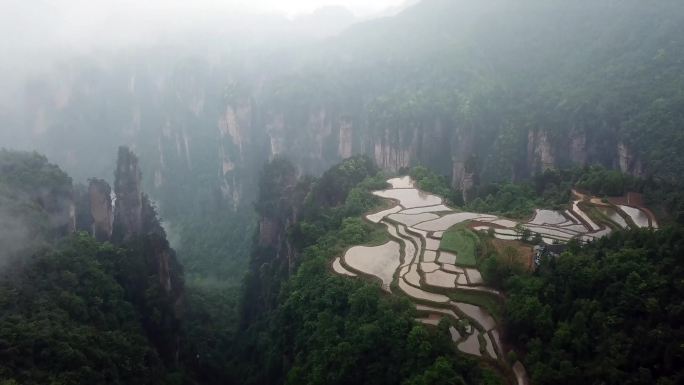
[{"x": 463, "y": 242}]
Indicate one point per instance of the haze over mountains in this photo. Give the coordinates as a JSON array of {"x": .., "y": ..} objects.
[
  {"x": 254, "y": 135},
  {"x": 480, "y": 92}
]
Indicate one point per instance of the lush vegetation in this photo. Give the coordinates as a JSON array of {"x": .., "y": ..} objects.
[
  {"x": 214, "y": 250},
  {"x": 328, "y": 329},
  {"x": 605, "y": 313},
  {"x": 428, "y": 180},
  {"x": 550, "y": 189},
  {"x": 73, "y": 310},
  {"x": 34, "y": 197},
  {"x": 604, "y": 182},
  {"x": 463, "y": 242},
  {"x": 64, "y": 319},
  {"x": 514, "y": 200}
]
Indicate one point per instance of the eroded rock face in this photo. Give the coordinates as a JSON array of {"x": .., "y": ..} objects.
[
  {"x": 268, "y": 232},
  {"x": 540, "y": 155},
  {"x": 102, "y": 216},
  {"x": 346, "y": 135},
  {"x": 462, "y": 148},
  {"x": 128, "y": 190},
  {"x": 235, "y": 125},
  {"x": 462, "y": 178},
  {"x": 578, "y": 147},
  {"x": 628, "y": 162},
  {"x": 394, "y": 150},
  {"x": 276, "y": 134}
]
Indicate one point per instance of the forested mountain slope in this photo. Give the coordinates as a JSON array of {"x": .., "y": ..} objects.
[
  {"x": 74, "y": 310},
  {"x": 303, "y": 325},
  {"x": 608, "y": 313},
  {"x": 603, "y": 312}
]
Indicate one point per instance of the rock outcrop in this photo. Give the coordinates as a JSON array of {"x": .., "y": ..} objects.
[
  {"x": 128, "y": 191},
  {"x": 540, "y": 155},
  {"x": 100, "y": 209},
  {"x": 156, "y": 287},
  {"x": 272, "y": 256},
  {"x": 578, "y": 147},
  {"x": 462, "y": 150},
  {"x": 345, "y": 140},
  {"x": 627, "y": 161}
]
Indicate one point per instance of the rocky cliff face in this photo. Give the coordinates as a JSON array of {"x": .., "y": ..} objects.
[
  {"x": 540, "y": 156},
  {"x": 390, "y": 156},
  {"x": 462, "y": 150},
  {"x": 273, "y": 258},
  {"x": 128, "y": 191},
  {"x": 627, "y": 161},
  {"x": 235, "y": 142},
  {"x": 345, "y": 146},
  {"x": 198, "y": 133},
  {"x": 100, "y": 209},
  {"x": 578, "y": 147},
  {"x": 135, "y": 226}
]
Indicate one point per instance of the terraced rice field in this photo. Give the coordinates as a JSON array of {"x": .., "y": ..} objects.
[
  {"x": 638, "y": 216},
  {"x": 339, "y": 269},
  {"x": 462, "y": 242},
  {"x": 410, "y": 197},
  {"x": 377, "y": 217},
  {"x": 613, "y": 215},
  {"x": 379, "y": 261},
  {"x": 432, "y": 259}
]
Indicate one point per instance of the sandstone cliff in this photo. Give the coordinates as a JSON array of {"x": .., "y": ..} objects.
[{"x": 100, "y": 209}]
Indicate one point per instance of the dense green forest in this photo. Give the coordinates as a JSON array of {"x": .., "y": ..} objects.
[
  {"x": 66, "y": 314},
  {"x": 609, "y": 312},
  {"x": 33, "y": 209},
  {"x": 64, "y": 319}
]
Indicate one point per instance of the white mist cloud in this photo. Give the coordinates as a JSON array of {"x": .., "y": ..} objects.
[{"x": 58, "y": 26}]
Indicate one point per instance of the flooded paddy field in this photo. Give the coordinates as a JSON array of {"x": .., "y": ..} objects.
[
  {"x": 639, "y": 217},
  {"x": 379, "y": 261}
]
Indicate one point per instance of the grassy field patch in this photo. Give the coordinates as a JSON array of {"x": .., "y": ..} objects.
[
  {"x": 463, "y": 242},
  {"x": 378, "y": 234}
]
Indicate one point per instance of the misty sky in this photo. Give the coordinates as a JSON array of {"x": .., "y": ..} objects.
[
  {"x": 37, "y": 33},
  {"x": 67, "y": 24},
  {"x": 34, "y": 30},
  {"x": 361, "y": 8}
]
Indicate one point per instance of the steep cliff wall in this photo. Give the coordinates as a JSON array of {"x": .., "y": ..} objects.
[
  {"x": 136, "y": 227},
  {"x": 540, "y": 155},
  {"x": 128, "y": 190},
  {"x": 200, "y": 140},
  {"x": 272, "y": 261},
  {"x": 578, "y": 146},
  {"x": 627, "y": 161},
  {"x": 235, "y": 147},
  {"x": 100, "y": 209}
]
